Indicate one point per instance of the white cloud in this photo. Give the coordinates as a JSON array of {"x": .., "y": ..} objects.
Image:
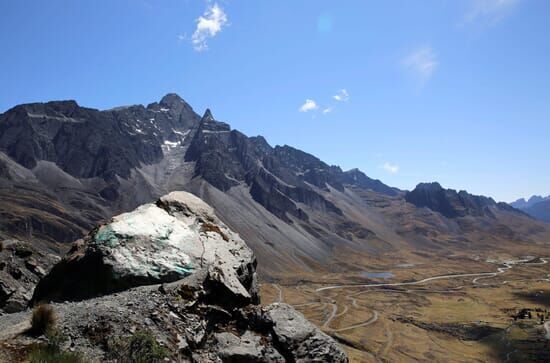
[
  {"x": 209, "y": 24},
  {"x": 309, "y": 105},
  {"x": 390, "y": 168},
  {"x": 328, "y": 110},
  {"x": 422, "y": 63},
  {"x": 342, "y": 95},
  {"x": 489, "y": 10}
]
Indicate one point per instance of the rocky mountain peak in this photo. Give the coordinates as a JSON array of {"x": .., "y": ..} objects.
[
  {"x": 536, "y": 206},
  {"x": 430, "y": 187},
  {"x": 449, "y": 202},
  {"x": 173, "y": 101},
  {"x": 208, "y": 115},
  {"x": 171, "y": 98},
  {"x": 522, "y": 203}
]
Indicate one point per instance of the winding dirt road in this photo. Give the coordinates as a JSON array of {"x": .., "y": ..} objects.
[
  {"x": 507, "y": 265},
  {"x": 331, "y": 316},
  {"x": 280, "y": 293},
  {"x": 372, "y": 320}
]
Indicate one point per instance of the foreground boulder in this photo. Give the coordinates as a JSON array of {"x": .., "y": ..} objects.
[
  {"x": 178, "y": 236},
  {"x": 174, "y": 270}
]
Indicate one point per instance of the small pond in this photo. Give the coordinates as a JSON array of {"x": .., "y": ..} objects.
[{"x": 377, "y": 275}]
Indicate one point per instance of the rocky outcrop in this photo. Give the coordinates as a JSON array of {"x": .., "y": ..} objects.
[
  {"x": 21, "y": 267},
  {"x": 300, "y": 340},
  {"x": 178, "y": 236},
  {"x": 175, "y": 270}
]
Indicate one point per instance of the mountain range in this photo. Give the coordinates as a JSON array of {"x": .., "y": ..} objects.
[
  {"x": 64, "y": 168},
  {"x": 536, "y": 206}
]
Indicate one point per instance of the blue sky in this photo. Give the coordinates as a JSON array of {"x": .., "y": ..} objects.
[{"x": 456, "y": 91}]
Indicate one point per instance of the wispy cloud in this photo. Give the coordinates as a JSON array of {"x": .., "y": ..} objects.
[
  {"x": 209, "y": 24},
  {"x": 422, "y": 63},
  {"x": 327, "y": 110},
  {"x": 342, "y": 95},
  {"x": 309, "y": 105},
  {"x": 489, "y": 11},
  {"x": 390, "y": 168}
]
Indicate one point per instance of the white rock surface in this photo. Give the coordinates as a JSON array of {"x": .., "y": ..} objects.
[{"x": 162, "y": 242}]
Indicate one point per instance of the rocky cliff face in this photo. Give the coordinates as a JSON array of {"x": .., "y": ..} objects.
[{"x": 175, "y": 270}]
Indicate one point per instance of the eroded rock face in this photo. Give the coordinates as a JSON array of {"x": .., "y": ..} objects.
[
  {"x": 21, "y": 266},
  {"x": 176, "y": 237}
]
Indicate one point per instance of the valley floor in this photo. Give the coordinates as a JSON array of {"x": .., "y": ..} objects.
[{"x": 455, "y": 308}]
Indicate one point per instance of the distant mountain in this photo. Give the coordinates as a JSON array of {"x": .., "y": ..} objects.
[
  {"x": 522, "y": 203},
  {"x": 453, "y": 204},
  {"x": 64, "y": 168},
  {"x": 537, "y": 207}
]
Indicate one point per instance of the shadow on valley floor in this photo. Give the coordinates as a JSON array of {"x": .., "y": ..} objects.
[
  {"x": 519, "y": 343},
  {"x": 541, "y": 297}
]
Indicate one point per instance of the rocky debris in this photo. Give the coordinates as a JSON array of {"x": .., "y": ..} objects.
[
  {"x": 174, "y": 270},
  {"x": 21, "y": 267},
  {"x": 178, "y": 236},
  {"x": 192, "y": 330}
]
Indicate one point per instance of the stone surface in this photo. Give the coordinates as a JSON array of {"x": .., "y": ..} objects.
[
  {"x": 163, "y": 242},
  {"x": 302, "y": 341},
  {"x": 21, "y": 267}
]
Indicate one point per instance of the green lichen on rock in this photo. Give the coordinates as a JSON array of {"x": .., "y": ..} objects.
[
  {"x": 184, "y": 270},
  {"x": 106, "y": 236}
]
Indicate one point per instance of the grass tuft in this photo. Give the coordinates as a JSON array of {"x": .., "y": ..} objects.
[
  {"x": 141, "y": 347},
  {"x": 45, "y": 354},
  {"x": 52, "y": 352},
  {"x": 43, "y": 319}
]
